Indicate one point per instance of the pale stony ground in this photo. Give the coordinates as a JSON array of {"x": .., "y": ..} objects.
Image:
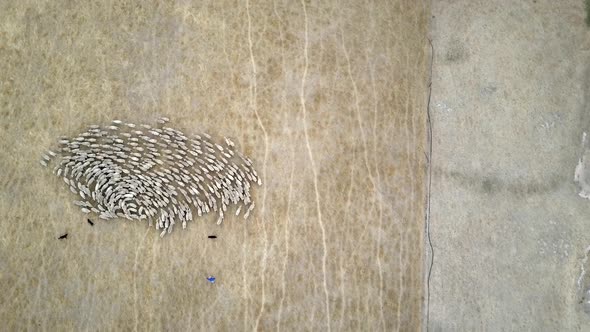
[
  {"x": 509, "y": 109},
  {"x": 328, "y": 98}
]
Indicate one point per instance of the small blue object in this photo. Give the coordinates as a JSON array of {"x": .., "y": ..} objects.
[{"x": 211, "y": 279}]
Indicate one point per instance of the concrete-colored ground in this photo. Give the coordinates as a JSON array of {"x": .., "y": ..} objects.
[{"x": 509, "y": 109}]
